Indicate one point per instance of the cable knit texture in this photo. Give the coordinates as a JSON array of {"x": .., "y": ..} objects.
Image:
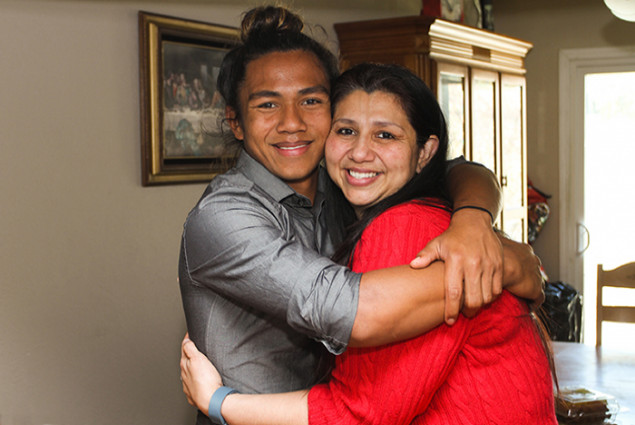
[{"x": 491, "y": 369}]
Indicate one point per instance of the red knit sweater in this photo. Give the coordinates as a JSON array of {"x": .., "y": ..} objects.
[{"x": 487, "y": 370}]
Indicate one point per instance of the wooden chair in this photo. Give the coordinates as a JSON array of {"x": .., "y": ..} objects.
[{"x": 620, "y": 277}]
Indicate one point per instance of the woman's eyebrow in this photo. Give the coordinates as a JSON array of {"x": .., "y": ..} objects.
[
  {"x": 377, "y": 123},
  {"x": 344, "y": 121},
  {"x": 387, "y": 124}
]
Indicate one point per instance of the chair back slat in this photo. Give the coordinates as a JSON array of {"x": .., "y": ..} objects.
[{"x": 619, "y": 277}]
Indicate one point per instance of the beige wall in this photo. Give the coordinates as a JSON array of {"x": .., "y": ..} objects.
[
  {"x": 552, "y": 26},
  {"x": 90, "y": 313}
]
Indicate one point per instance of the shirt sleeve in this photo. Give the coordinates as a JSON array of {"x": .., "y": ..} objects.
[
  {"x": 393, "y": 383},
  {"x": 240, "y": 246}
]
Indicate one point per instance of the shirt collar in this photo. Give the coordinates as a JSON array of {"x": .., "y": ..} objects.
[{"x": 272, "y": 185}]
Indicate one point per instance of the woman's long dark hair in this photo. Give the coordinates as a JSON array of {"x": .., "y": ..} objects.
[{"x": 425, "y": 116}]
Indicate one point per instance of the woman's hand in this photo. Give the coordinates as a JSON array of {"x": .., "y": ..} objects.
[
  {"x": 473, "y": 257},
  {"x": 199, "y": 376}
]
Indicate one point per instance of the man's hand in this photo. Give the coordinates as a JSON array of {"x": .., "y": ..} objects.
[
  {"x": 473, "y": 257},
  {"x": 199, "y": 376}
]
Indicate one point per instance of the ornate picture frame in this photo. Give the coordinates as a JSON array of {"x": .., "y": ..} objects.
[{"x": 181, "y": 110}]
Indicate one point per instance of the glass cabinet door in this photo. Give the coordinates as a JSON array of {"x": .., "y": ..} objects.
[
  {"x": 485, "y": 107},
  {"x": 513, "y": 161},
  {"x": 452, "y": 93}
]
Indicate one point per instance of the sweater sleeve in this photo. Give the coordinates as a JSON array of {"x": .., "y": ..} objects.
[{"x": 393, "y": 383}]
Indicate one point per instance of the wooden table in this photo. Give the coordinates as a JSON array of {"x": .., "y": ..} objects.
[{"x": 601, "y": 369}]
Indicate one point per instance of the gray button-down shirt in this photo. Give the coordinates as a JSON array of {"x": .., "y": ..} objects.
[{"x": 257, "y": 289}]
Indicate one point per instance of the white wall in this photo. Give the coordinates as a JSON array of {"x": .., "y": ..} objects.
[
  {"x": 90, "y": 312},
  {"x": 552, "y": 26}
]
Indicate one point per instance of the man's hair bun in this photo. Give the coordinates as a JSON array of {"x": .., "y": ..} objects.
[{"x": 266, "y": 21}]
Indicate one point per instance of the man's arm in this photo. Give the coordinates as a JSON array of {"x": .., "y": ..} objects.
[
  {"x": 470, "y": 249},
  {"x": 413, "y": 302},
  {"x": 276, "y": 274},
  {"x": 523, "y": 276},
  {"x": 474, "y": 184}
]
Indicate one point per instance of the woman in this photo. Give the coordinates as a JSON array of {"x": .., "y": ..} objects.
[{"x": 386, "y": 153}]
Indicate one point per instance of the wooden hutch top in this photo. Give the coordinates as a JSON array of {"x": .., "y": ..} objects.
[{"x": 440, "y": 39}]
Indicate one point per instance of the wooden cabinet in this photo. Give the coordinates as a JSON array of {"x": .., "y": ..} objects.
[{"x": 479, "y": 79}]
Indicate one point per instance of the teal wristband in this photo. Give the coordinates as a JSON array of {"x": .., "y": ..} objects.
[{"x": 215, "y": 403}]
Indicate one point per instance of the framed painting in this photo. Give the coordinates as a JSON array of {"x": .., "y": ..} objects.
[{"x": 181, "y": 110}]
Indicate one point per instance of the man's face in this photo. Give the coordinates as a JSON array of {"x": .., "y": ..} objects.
[{"x": 285, "y": 115}]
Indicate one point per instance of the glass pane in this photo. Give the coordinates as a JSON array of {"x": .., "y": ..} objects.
[
  {"x": 483, "y": 122},
  {"x": 511, "y": 134},
  {"x": 618, "y": 335},
  {"x": 452, "y": 100},
  {"x": 609, "y": 184},
  {"x": 609, "y": 179},
  {"x": 514, "y": 229}
]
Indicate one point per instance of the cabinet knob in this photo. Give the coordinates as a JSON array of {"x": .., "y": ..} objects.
[{"x": 504, "y": 181}]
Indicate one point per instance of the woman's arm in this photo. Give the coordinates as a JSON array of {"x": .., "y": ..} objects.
[
  {"x": 267, "y": 409},
  {"x": 201, "y": 379}
]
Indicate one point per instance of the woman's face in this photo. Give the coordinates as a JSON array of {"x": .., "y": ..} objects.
[{"x": 371, "y": 151}]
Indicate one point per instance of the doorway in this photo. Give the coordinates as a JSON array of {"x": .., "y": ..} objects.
[{"x": 597, "y": 126}]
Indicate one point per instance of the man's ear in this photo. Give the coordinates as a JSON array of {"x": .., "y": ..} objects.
[
  {"x": 234, "y": 123},
  {"x": 427, "y": 152}
]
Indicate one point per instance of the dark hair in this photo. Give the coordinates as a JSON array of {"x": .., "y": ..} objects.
[
  {"x": 268, "y": 29},
  {"x": 425, "y": 116}
]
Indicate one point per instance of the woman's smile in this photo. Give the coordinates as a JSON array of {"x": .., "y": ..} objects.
[{"x": 361, "y": 177}]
